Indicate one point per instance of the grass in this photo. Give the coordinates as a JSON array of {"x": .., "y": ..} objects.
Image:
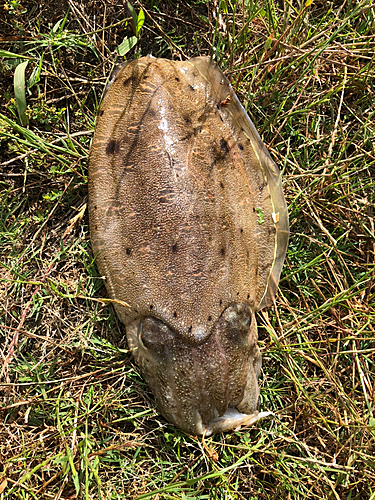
[{"x": 77, "y": 421}]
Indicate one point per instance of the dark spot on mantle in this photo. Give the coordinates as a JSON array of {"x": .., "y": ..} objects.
[
  {"x": 113, "y": 147},
  {"x": 224, "y": 145},
  {"x": 128, "y": 251},
  {"x": 191, "y": 88},
  {"x": 125, "y": 82}
]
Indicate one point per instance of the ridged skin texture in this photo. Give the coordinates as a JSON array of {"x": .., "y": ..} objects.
[
  {"x": 197, "y": 383},
  {"x": 189, "y": 227}
]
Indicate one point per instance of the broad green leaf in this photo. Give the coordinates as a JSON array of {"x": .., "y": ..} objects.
[
  {"x": 126, "y": 45},
  {"x": 19, "y": 92},
  {"x": 140, "y": 21},
  {"x": 268, "y": 43},
  {"x": 57, "y": 26},
  {"x": 5, "y": 53}
]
